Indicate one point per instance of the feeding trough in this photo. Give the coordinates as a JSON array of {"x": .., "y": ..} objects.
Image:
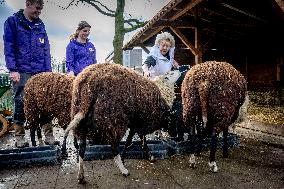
[
  {"x": 157, "y": 148},
  {"x": 30, "y": 156}
]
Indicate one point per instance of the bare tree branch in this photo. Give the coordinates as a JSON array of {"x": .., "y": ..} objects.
[
  {"x": 104, "y": 6},
  {"x": 130, "y": 22},
  {"x": 94, "y": 4},
  {"x": 134, "y": 27},
  {"x": 70, "y": 4},
  {"x": 136, "y": 21}
]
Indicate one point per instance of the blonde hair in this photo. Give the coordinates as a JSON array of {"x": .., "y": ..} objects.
[
  {"x": 81, "y": 25},
  {"x": 74, "y": 35},
  {"x": 165, "y": 36}
]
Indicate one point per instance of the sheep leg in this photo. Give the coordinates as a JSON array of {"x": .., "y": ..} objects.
[
  {"x": 32, "y": 135},
  {"x": 200, "y": 137},
  {"x": 76, "y": 145},
  {"x": 63, "y": 148},
  {"x": 75, "y": 142},
  {"x": 82, "y": 149},
  {"x": 39, "y": 136},
  {"x": 203, "y": 94},
  {"x": 192, "y": 159},
  {"x": 117, "y": 160},
  {"x": 212, "y": 162},
  {"x": 146, "y": 151},
  {"x": 127, "y": 143},
  {"x": 225, "y": 143}
]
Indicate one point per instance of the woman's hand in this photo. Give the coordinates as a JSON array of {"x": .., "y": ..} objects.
[
  {"x": 146, "y": 71},
  {"x": 15, "y": 76},
  {"x": 175, "y": 64}
]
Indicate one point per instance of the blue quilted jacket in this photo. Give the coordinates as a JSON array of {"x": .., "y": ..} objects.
[
  {"x": 79, "y": 56},
  {"x": 26, "y": 45}
]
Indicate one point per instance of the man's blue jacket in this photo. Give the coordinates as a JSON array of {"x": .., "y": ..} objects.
[{"x": 26, "y": 45}]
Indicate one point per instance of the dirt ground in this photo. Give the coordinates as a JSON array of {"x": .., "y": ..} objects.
[{"x": 251, "y": 165}]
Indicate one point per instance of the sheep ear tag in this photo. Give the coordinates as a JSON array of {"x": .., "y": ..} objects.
[{"x": 172, "y": 76}]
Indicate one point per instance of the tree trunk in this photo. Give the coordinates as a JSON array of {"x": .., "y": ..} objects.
[{"x": 119, "y": 32}]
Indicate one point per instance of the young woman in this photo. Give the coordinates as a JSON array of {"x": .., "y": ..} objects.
[{"x": 80, "y": 52}]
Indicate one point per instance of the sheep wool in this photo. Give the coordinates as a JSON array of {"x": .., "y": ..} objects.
[
  {"x": 46, "y": 96},
  {"x": 213, "y": 92},
  {"x": 167, "y": 90},
  {"x": 116, "y": 98}
]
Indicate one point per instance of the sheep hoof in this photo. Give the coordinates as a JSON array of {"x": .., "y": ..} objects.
[
  {"x": 192, "y": 165},
  {"x": 152, "y": 159},
  {"x": 126, "y": 174},
  {"x": 81, "y": 181},
  {"x": 192, "y": 161},
  {"x": 213, "y": 166}
]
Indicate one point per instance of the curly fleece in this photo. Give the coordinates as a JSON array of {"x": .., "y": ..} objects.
[
  {"x": 48, "y": 96},
  {"x": 115, "y": 98},
  {"x": 215, "y": 90}
]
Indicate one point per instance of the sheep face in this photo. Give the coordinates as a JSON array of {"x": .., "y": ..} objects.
[{"x": 170, "y": 78}]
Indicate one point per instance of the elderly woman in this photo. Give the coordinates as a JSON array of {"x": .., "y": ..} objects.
[
  {"x": 161, "y": 57},
  {"x": 80, "y": 52}
]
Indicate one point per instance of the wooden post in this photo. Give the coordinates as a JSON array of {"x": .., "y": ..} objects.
[{"x": 279, "y": 79}]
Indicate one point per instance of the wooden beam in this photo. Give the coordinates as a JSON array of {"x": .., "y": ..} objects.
[
  {"x": 243, "y": 12},
  {"x": 158, "y": 29},
  {"x": 280, "y": 63},
  {"x": 189, "y": 6},
  {"x": 185, "y": 41},
  {"x": 220, "y": 14},
  {"x": 280, "y": 4},
  {"x": 144, "y": 48},
  {"x": 177, "y": 9},
  {"x": 279, "y": 7},
  {"x": 182, "y": 24}
]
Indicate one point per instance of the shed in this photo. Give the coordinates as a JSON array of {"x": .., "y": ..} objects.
[{"x": 249, "y": 34}]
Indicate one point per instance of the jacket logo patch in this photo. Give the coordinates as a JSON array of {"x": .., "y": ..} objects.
[
  {"x": 41, "y": 40},
  {"x": 91, "y": 49}
]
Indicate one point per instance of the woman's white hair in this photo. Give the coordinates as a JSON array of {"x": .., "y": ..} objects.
[{"x": 165, "y": 36}]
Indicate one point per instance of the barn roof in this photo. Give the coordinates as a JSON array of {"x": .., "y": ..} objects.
[{"x": 227, "y": 19}]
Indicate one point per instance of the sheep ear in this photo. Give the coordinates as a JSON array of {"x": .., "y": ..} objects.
[{"x": 172, "y": 76}]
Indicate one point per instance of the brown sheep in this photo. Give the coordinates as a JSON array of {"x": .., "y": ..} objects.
[
  {"x": 110, "y": 98},
  {"x": 47, "y": 96},
  {"x": 212, "y": 94}
]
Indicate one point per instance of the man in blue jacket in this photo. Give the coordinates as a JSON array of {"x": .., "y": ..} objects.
[{"x": 27, "y": 52}]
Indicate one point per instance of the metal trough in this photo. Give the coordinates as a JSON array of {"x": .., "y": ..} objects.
[
  {"x": 30, "y": 156},
  {"x": 157, "y": 148}
]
